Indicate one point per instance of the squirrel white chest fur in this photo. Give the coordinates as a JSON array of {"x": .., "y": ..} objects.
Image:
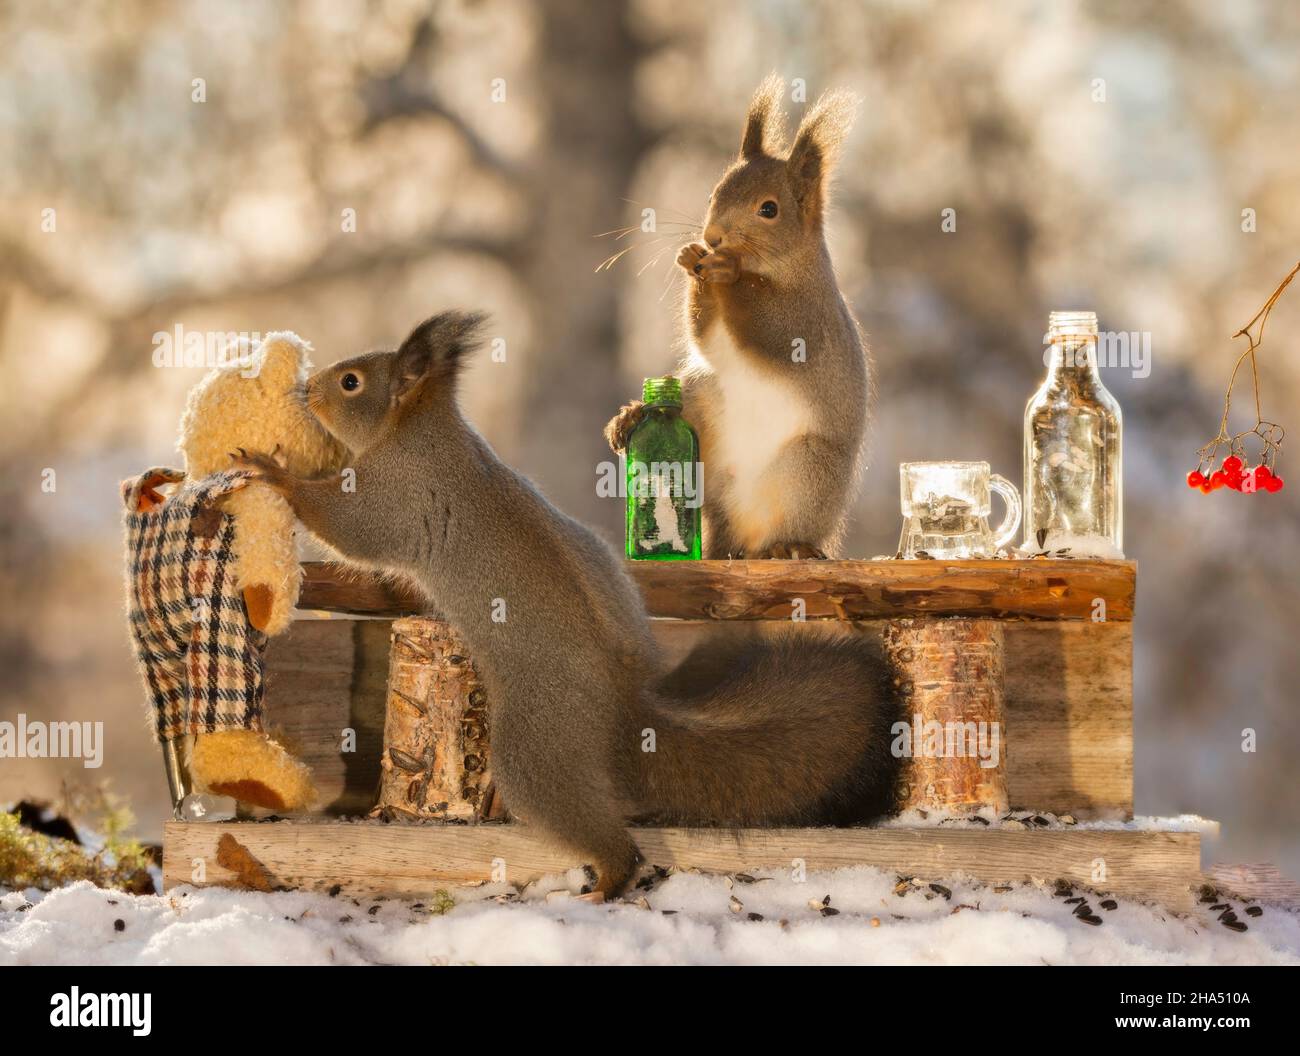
[{"x": 758, "y": 414}]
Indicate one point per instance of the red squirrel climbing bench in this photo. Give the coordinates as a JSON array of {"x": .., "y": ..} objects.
[{"x": 1054, "y": 642}]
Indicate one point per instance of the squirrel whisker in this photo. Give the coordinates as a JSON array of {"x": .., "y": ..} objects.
[
  {"x": 695, "y": 220},
  {"x": 654, "y": 260},
  {"x": 612, "y": 259},
  {"x": 668, "y": 285},
  {"x": 623, "y": 232},
  {"x": 754, "y": 246}
]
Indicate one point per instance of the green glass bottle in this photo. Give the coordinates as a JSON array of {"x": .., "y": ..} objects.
[{"x": 665, "y": 486}]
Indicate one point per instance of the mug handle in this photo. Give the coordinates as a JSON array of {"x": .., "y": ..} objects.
[{"x": 1011, "y": 522}]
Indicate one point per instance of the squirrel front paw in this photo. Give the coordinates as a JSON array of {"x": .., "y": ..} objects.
[
  {"x": 691, "y": 254},
  {"x": 264, "y": 468},
  {"x": 708, "y": 266},
  {"x": 719, "y": 269},
  {"x": 621, "y": 425}
]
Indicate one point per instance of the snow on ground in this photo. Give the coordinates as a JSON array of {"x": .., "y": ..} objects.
[{"x": 81, "y": 924}]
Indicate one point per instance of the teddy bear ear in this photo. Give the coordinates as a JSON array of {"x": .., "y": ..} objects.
[{"x": 282, "y": 358}]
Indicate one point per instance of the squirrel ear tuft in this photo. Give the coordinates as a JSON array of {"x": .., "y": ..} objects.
[
  {"x": 816, "y": 146},
  {"x": 765, "y": 122},
  {"x": 436, "y": 348}
]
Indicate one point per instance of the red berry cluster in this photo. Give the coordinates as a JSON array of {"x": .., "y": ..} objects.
[{"x": 1234, "y": 475}]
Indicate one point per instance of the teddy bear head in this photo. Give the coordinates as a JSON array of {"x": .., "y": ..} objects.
[{"x": 255, "y": 400}]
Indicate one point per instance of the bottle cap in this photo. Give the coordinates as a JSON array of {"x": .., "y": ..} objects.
[{"x": 664, "y": 391}]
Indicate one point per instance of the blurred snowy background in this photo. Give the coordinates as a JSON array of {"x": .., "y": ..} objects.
[{"x": 228, "y": 214}]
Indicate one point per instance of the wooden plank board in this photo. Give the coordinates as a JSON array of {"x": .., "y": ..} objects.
[
  {"x": 325, "y": 694},
  {"x": 828, "y": 590},
  {"x": 860, "y": 590},
  {"x": 370, "y": 858},
  {"x": 1068, "y": 695},
  {"x": 1069, "y": 713},
  {"x": 1262, "y": 881},
  {"x": 330, "y": 587}
]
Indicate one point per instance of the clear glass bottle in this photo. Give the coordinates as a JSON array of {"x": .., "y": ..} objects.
[
  {"x": 664, "y": 479},
  {"x": 1074, "y": 489}
]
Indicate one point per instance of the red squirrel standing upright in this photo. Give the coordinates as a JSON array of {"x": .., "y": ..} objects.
[{"x": 776, "y": 374}]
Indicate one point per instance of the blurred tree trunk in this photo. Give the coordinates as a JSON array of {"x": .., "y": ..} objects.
[{"x": 586, "y": 70}]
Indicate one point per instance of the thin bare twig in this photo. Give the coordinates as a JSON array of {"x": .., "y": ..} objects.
[{"x": 1270, "y": 434}]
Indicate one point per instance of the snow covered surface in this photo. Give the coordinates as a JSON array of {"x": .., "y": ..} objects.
[
  {"x": 1076, "y": 545},
  {"x": 987, "y": 817},
  {"x": 686, "y": 918}
]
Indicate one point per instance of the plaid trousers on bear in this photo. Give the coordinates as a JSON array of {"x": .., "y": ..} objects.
[{"x": 200, "y": 658}]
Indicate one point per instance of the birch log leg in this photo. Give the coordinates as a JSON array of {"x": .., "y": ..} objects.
[
  {"x": 949, "y": 676},
  {"x": 436, "y": 760}
]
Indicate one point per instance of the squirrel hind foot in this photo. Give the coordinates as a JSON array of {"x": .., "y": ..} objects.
[
  {"x": 792, "y": 551},
  {"x": 615, "y": 873},
  {"x": 621, "y": 425}
]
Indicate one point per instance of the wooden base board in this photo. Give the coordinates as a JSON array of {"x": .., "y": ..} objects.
[
  {"x": 1262, "y": 881},
  {"x": 371, "y": 858}
]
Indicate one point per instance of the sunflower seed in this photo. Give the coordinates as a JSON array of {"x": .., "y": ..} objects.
[{"x": 404, "y": 761}]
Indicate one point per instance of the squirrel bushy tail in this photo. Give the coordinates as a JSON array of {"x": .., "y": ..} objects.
[{"x": 789, "y": 729}]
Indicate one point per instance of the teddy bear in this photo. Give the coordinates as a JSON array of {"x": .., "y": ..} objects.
[{"x": 213, "y": 572}]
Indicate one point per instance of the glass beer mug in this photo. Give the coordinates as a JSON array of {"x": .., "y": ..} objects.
[{"x": 946, "y": 507}]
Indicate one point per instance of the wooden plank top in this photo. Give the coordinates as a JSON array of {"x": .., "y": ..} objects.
[
  {"x": 829, "y": 590},
  {"x": 865, "y": 590}
]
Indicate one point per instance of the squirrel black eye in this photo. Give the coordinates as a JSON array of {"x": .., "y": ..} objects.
[
  {"x": 767, "y": 210},
  {"x": 350, "y": 382}
]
